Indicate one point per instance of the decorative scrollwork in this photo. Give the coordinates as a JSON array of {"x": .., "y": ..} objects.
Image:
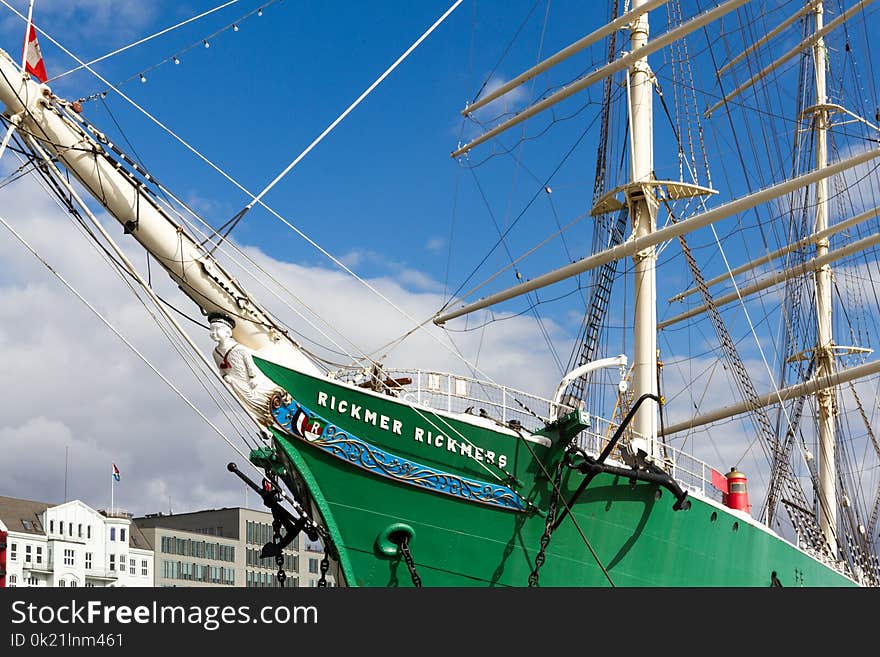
[
  {"x": 278, "y": 399},
  {"x": 300, "y": 422}
]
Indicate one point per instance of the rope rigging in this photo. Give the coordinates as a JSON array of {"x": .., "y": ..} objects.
[{"x": 795, "y": 308}]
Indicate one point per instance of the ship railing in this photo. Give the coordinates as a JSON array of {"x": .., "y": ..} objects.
[
  {"x": 458, "y": 394},
  {"x": 455, "y": 393},
  {"x": 839, "y": 565},
  {"x": 691, "y": 473}
]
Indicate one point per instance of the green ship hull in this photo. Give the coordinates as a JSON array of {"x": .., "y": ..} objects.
[{"x": 620, "y": 532}]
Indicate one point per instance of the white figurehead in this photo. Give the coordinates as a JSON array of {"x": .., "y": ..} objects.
[{"x": 238, "y": 369}]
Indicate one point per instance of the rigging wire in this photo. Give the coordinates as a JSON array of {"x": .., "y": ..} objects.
[
  {"x": 74, "y": 196},
  {"x": 506, "y": 50},
  {"x": 338, "y": 120},
  {"x": 121, "y": 337},
  {"x": 168, "y": 204},
  {"x": 507, "y": 230},
  {"x": 57, "y": 194},
  {"x": 518, "y": 274},
  {"x": 449, "y": 427},
  {"x": 233, "y": 181},
  {"x": 146, "y": 39}
]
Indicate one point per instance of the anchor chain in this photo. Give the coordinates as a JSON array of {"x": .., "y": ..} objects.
[
  {"x": 408, "y": 558},
  {"x": 548, "y": 525},
  {"x": 325, "y": 566},
  {"x": 279, "y": 558}
]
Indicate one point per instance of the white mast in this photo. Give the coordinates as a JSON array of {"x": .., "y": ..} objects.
[
  {"x": 643, "y": 212},
  {"x": 824, "y": 341}
]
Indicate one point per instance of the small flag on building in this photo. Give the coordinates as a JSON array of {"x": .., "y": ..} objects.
[
  {"x": 115, "y": 473},
  {"x": 33, "y": 57}
]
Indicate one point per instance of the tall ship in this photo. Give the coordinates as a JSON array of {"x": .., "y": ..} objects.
[{"x": 725, "y": 294}]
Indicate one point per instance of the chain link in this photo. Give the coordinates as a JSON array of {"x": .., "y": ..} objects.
[
  {"x": 407, "y": 557},
  {"x": 548, "y": 525},
  {"x": 279, "y": 558},
  {"x": 325, "y": 566}
]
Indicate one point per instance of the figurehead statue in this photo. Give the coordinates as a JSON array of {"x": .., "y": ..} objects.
[{"x": 238, "y": 369}]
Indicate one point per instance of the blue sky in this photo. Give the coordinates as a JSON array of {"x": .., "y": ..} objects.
[{"x": 380, "y": 192}]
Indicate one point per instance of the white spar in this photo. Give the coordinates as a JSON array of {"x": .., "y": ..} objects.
[{"x": 198, "y": 274}]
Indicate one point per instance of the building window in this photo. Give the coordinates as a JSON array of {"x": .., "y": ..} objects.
[
  {"x": 13, "y": 551},
  {"x": 313, "y": 566},
  {"x": 113, "y": 533},
  {"x": 68, "y": 557},
  {"x": 62, "y": 583},
  {"x": 144, "y": 566},
  {"x": 132, "y": 567},
  {"x": 39, "y": 554},
  {"x": 69, "y": 529},
  {"x": 73, "y": 583},
  {"x": 32, "y": 581},
  {"x": 26, "y": 524},
  {"x": 88, "y": 560},
  {"x": 122, "y": 563},
  {"x": 12, "y": 580},
  {"x": 122, "y": 534},
  {"x": 89, "y": 585},
  {"x": 112, "y": 562},
  {"x": 79, "y": 531},
  {"x": 27, "y": 554},
  {"x": 88, "y": 531},
  {"x": 51, "y": 526}
]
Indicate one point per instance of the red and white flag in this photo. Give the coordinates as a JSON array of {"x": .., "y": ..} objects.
[{"x": 34, "y": 58}]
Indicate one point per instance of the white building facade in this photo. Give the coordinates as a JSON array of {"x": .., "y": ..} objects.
[{"x": 72, "y": 545}]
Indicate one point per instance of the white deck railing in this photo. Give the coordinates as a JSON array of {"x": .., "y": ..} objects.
[{"x": 458, "y": 394}]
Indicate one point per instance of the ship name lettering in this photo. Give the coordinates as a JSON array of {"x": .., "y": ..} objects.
[
  {"x": 353, "y": 410},
  {"x": 464, "y": 448},
  {"x": 395, "y": 426}
]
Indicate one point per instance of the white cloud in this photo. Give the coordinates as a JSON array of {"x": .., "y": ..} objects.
[
  {"x": 412, "y": 278},
  {"x": 435, "y": 244},
  {"x": 111, "y": 20},
  {"x": 509, "y": 103},
  {"x": 68, "y": 381},
  {"x": 497, "y": 110}
]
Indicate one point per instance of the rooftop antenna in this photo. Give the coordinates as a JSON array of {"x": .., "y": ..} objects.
[{"x": 66, "y": 450}]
